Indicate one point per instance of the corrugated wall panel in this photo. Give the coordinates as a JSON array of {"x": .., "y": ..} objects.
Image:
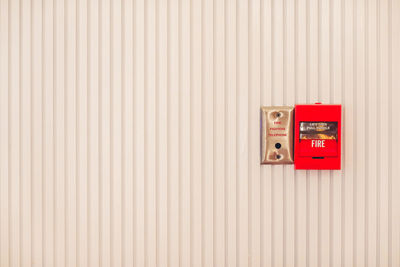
[{"x": 130, "y": 132}]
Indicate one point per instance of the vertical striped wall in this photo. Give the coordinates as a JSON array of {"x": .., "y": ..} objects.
[{"x": 129, "y": 132}]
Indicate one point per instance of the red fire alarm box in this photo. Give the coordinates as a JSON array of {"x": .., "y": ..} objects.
[{"x": 317, "y": 137}]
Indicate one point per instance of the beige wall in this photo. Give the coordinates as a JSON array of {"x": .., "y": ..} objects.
[{"x": 129, "y": 132}]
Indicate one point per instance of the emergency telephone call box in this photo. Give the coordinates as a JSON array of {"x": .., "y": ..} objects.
[{"x": 317, "y": 137}]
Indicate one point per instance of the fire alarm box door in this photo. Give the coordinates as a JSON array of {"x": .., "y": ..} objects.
[{"x": 318, "y": 139}]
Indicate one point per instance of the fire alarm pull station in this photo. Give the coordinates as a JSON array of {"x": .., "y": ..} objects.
[
  {"x": 317, "y": 137},
  {"x": 277, "y": 135}
]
